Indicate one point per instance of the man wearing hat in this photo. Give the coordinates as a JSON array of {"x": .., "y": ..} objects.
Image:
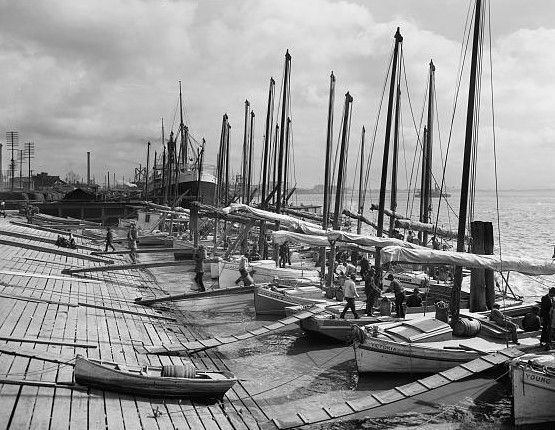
[
  {"x": 199, "y": 257},
  {"x": 350, "y": 293}
]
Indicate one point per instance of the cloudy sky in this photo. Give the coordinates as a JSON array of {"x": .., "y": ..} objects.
[{"x": 99, "y": 75}]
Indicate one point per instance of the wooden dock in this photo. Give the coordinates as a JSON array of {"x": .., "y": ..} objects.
[{"x": 46, "y": 318}]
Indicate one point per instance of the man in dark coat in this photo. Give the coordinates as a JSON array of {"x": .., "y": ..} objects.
[
  {"x": 199, "y": 257},
  {"x": 545, "y": 309}
]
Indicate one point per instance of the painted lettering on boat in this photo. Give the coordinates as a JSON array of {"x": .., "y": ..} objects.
[
  {"x": 389, "y": 348},
  {"x": 532, "y": 377}
]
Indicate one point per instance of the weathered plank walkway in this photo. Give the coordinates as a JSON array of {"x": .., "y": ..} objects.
[{"x": 45, "y": 316}]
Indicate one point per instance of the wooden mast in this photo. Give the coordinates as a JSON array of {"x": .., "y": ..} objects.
[
  {"x": 183, "y": 149},
  {"x": 267, "y": 140},
  {"x": 424, "y": 168},
  {"x": 342, "y": 160},
  {"x": 383, "y": 183},
  {"x": 147, "y": 168},
  {"x": 245, "y": 152},
  {"x": 394, "y": 163},
  {"x": 326, "y": 208},
  {"x": 360, "y": 187},
  {"x": 329, "y": 143},
  {"x": 428, "y": 153},
  {"x": 286, "y": 162},
  {"x": 262, "y": 244},
  {"x": 282, "y": 127},
  {"x": 457, "y": 282},
  {"x": 250, "y": 157}
]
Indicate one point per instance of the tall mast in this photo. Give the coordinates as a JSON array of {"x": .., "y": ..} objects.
[
  {"x": 267, "y": 140},
  {"x": 286, "y": 168},
  {"x": 456, "y": 291},
  {"x": 250, "y": 157},
  {"x": 342, "y": 160},
  {"x": 245, "y": 152},
  {"x": 147, "y": 168},
  {"x": 329, "y": 143},
  {"x": 226, "y": 190},
  {"x": 428, "y": 154},
  {"x": 284, "y": 103},
  {"x": 164, "y": 166},
  {"x": 383, "y": 183},
  {"x": 183, "y": 149},
  {"x": 394, "y": 163},
  {"x": 360, "y": 192},
  {"x": 423, "y": 199}
]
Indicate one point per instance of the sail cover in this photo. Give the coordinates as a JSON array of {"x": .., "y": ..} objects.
[
  {"x": 527, "y": 266},
  {"x": 339, "y": 236},
  {"x": 283, "y": 236},
  {"x": 286, "y": 220}
]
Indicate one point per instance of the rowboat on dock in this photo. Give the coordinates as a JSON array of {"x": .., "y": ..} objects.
[
  {"x": 165, "y": 381},
  {"x": 533, "y": 384}
]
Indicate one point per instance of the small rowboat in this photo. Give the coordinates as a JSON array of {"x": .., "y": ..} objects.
[{"x": 167, "y": 381}]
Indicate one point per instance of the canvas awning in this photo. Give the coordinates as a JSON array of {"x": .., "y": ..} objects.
[{"x": 527, "y": 266}]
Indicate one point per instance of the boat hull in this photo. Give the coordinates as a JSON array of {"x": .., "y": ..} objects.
[
  {"x": 385, "y": 356},
  {"x": 533, "y": 392},
  {"x": 96, "y": 375},
  {"x": 269, "y": 302}
]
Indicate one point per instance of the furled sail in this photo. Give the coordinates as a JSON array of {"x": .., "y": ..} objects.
[
  {"x": 425, "y": 227},
  {"x": 338, "y": 236},
  {"x": 286, "y": 220},
  {"x": 527, "y": 266}
]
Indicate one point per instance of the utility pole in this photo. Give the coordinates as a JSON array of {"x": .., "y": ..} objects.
[{"x": 147, "y": 168}]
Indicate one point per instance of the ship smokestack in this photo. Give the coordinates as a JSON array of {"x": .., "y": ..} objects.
[{"x": 88, "y": 168}]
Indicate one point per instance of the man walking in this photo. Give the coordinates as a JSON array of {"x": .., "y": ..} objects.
[
  {"x": 132, "y": 237},
  {"x": 199, "y": 257},
  {"x": 109, "y": 239},
  {"x": 350, "y": 293}
]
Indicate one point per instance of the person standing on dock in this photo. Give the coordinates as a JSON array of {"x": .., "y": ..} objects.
[
  {"x": 199, "y": 256},
  {"x": 399, "y": 291},
  {"x": 371, "y": 290},
  {"x": 545, "y": 315},
  {"x": 350, "y": 292},
  {"x": 132, "y": 237},
  {"x": 3, "y": 208},
  {"x": 109, "y": 239}
]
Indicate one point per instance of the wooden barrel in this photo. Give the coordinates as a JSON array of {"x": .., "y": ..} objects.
[
  {"x": 185, "y": 370},
  {"x": 385, "y": 307},
  {"x": 466, "y": 327}
]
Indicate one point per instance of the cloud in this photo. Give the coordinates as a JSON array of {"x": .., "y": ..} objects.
[{"x": 98, "y": 76}]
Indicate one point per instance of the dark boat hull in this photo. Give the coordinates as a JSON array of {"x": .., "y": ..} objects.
[{"x": 211, "y": 385}]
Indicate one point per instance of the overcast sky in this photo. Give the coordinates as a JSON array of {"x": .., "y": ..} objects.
[{"x": 98, "y": 76}]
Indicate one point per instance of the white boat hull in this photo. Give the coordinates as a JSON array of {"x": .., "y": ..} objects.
[
  {"x": 533, "y": 392},
  {"x": 385, "y": 356}
]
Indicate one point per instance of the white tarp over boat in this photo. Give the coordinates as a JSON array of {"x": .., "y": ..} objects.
[
  {"x": 285, "y": 220},
  {"x": 527, "y": 266},
  {"x": 338, "y": 236},
  {"x": 283, "y": 236}
]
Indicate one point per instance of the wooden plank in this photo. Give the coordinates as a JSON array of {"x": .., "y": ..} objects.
[
  {"x": 47, "y": 341},
  {"x": 36, "y": 300},
  {"x": 114, "y": 267},
  {"x": 186, "y": 296},
  {"x": 125, "y": 311},
  {"x": 41, "y": 275},
  {"x": 55, "y": 251},
  {"x": 142, "y": 251}
]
